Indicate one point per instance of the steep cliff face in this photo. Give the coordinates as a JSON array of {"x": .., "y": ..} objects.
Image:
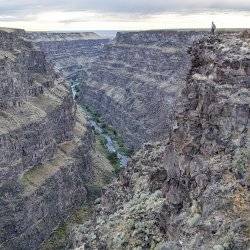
[
  {"x": 71, "y": 53},
  {"x": 134, "y": 83},
  {"x": 45, "y": 146},
  {"x": 190, "y": 191}
]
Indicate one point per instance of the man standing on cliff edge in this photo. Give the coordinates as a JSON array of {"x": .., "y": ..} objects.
[{"x": 213, "y": 28}]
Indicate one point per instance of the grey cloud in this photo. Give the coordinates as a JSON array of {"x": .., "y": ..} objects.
[{"x": 21, "y": 8}]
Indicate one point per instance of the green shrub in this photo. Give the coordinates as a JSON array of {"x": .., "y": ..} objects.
[
  {"x": 240, "y": 162},
  {"x": 103, "y": 141},
  {"x": 113, "y": 158}
]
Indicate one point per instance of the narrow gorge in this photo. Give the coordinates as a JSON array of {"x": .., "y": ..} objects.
[
  {"x": 136, "y": 80},
  {"x": 143, "y": 140}
]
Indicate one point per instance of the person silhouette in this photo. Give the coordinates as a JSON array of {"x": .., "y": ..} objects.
[{"x": 213, "y": 28}]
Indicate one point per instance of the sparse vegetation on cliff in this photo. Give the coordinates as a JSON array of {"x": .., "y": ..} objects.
[
  {"x": 45, "y": 146},
  {"x": 112, "y": 133},
  {"x": 189, "y": 191},
  {"x": 103, "y": 174},
  {"x": 241, "y": 162}
]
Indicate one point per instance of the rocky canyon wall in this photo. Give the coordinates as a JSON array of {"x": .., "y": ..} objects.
[
  {"x": 184, "y": 90},
  {"x": 71, "y": 53},
  {"x": 134, "y": 83},
  {"x": 189, "y": 191},
  {"x": 45, "y": 145}
]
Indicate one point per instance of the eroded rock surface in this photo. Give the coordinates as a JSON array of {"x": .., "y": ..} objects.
[
  {"x": 132, "y": 82},
  {"x": 45, "y": 146},
  {"x": 135, "y": 82},
  {"x": 60, "y": 36},
  {"x": 189, "y": 191},
  {"x": 71, "y": 53}
]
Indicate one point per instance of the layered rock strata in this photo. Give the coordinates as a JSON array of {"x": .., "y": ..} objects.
[
  {"x": 134, "y": 83},
  {"x": 71, "y": 53},
  {"x": 45, "y": 146},
  {"x": 191, "y": 190},
  {"x": 60, "y": 36}
]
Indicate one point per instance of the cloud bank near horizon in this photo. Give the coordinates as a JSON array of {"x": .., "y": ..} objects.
[
  {"x": 23, "y": 7},
  {"x": 30, "y": 13}
]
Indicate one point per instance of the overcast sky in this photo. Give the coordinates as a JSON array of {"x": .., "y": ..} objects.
[{"x": 123, "y": 14}]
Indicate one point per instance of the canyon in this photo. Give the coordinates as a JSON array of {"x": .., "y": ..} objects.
[
  {"x": 132, "y": 81},
  {"x": 47, "y": 152},
  {"x": 70, "y": 53},
  {"x": 180, "y": 99},
  {"x": 135, "y": 82},
  {"x": 189, "y": 191}
]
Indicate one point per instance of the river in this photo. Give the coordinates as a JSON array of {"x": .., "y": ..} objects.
[{"x": 110, "y": 143}]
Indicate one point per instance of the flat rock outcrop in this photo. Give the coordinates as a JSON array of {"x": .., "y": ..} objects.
[
  {"x": 45, "y": 145},
  {"x": 135, "y": 82},
  {"x": 191, "y": 190}
]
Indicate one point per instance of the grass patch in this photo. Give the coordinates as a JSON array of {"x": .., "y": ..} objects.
[
  {"x": 112, "y": 157},
  {"x": 123, "y": 149},
  {"x": 107, "y": 129},
  {"x": 103, "y": 141},
  {"x": 57, "y": 240},
  {"x": 30, "y": 175},
  {"x": 95, "y": 115},
  {"x": 35, "y": 176}
]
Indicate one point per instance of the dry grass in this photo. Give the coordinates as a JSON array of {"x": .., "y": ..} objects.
[
  {"x": 47, "y": 101},
  {"x": 36, "y": 176},
  {"x": 103, "y": 170},
  {"x": 15, "y": 118},
  {"x": 64, "y": 157},
  {"x": 80, "y": 115},
  {"x": 31, "y": 111},
  {"x": 240, "y": 200}
]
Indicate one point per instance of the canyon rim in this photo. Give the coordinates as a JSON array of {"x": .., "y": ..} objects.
[{"x": 139, "y": 141}]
